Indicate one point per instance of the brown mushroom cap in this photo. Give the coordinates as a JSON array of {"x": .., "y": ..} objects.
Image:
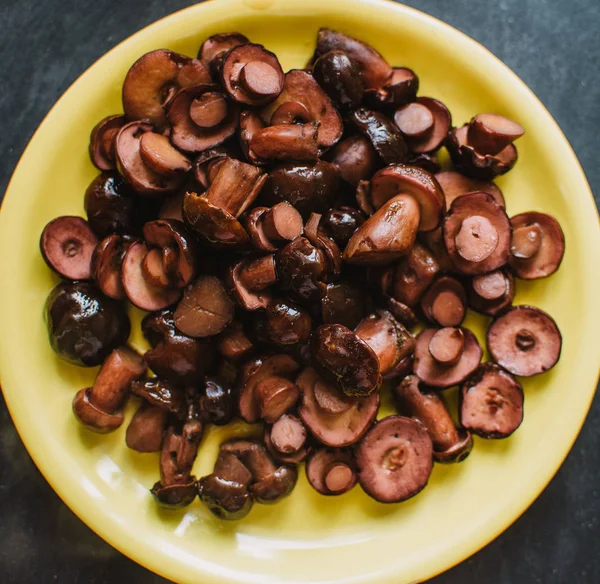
[
  {"x": 301, "y": 87},
  {"x": 467, "y": 240},
  {"x": 250, "y": 123},
  {"x": 399, "y": 90},
  {"x": 286, "y": 142},
  {"x": 492, "y": 293},
  {"x": 161, "y": 394},
  {"x": 434, "y": 138},
  {"x": 248, "y": 280},
  {"x": 491, "y": 133},
  {"x": 286, "y": 323},
  {"x": 158, "y": 154},
  {"x": 93, "y": 417},
  {"x": 346, "y": 360},
  {"x": 413, "y": 274},
  {"x": 445, "y": 303},
  {"x": 335, "y": 419},
  {"x": 225, "y": 498},
  {"x": 102, "y": 140},
  {"x": 440, "y": 376},
  {"x": 534, "y": 255},
  {"x": 416, "y": 182},
  {"x": 290, "y": 112},
  {"x": 525, "y": 341},
  {"x": 454, "y": 184},
  {"x": 382, "y": 133},
  {"x": 355, "y": 157},
  {"x": 340, "y": 78},
  {"x": 394, "y": 459},
  {"x": 234, "y": 344},
  {"x": 415, "y": 120},
  {"x": 256, "y": 230},
  {"x": 342, "y": 303},
  {"x": 106, "y": 265},
  {"x": 491, "y": 402},
  {"x": 215, "y": 47},
  {"x": 331, "y": 471},
  {"x": 146, "y": 429},
  {"x": 67, "y": 244},
  {"x": 188, "y": 135},
  {"x": 446, "y": 346},
  {"x": 275, "y": 395}
]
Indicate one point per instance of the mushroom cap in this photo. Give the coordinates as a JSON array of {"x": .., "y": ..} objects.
[
  {"x": 441, "y": 376},
  {"x": 321, "y": 461},
  {"x": 454, "y": 184},
  {"x": 340, "y": 78},
  {"x": 250, "y": 123},
  {"x": 410, "y": 180},
  {"x": 442, "y": 121},
  {"x": 159, "y": 155},
  {"x": 445, "y": 303},
  {"x": 102, "y": 140},
  {"x": 491, "y": 133},
  {"x": 175, "y": 496},
  {"x": 340, "y": 223},
  {"x": 394, "y": 459},
  {"x": 382, "y": 133},
  {"x": 248, "y": 299},
  {"x": 481, "y": 205},
  {"x": 413, "y": 275},
  {"x": 525, "y": 341},
  {"x": 214, "y": 48},
  {"x": 342, "y": 303},
  {"x": 492, "y": 293},
  {"x": 459, "y": 451},
  {"x": 276, "y": 486},
  {"x": 286, "y": 323},
  {"x": 147, "y": 427},
  {"x": 106, "y": 265},
  {"x": 256, "y": 230},
  {"x": 161, "y": 394},
  {"x": 397, "y": 91},
  {"x": 335, "y": 429},
  {"x": 551, "y": 250},
  {"x": 92, "y": 417},
  {"x": 491, "y": 402},
  {"x": 301, "y": 87}
]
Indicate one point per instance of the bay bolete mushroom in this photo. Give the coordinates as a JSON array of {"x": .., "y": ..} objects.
[
  {"x": 107, "y": 260},
  {"x": 248, "y": 282},
  {"x": 384, "y": 136},
  {"x": 445, "y": 303},
  {"x": 215, "y": 47},
  {"x": 160, "y": 393},
  {"x": 355, "y": 158},
  {"x": 285, "y": 323},
  {"x": 286, "y": 439},
  {"x": 342, "y": 303},
  {"x": 454, "y": 184},
  {"x": 147, "y": 428},
  {"x": 217, "y": 401},
  {"x": 332, "y": 471},
  {"x": 413, "y": 274},
  {"x": 270, "y": 228},
  {"x": 424, "y": 123},
  {"x": 399, "y": 90},
  {"x": 286, "y": 142},
  {"x": 340, "y": 223},
  {"x": 234, "y": 344},
  {"x": 250, "y": 123},
  {"x": 491, "y": 293},
  {"x": 102, "y": 141},
  {"x": 340, "y": 78}
]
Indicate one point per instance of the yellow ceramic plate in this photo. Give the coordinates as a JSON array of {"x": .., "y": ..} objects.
[{"x": 307, "y": 538}]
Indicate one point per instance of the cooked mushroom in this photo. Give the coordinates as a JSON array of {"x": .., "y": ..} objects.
[
  {"x": 402, "y": 313},
  {"x": 435, "y": 368},
  {"x": 207, "y": 163},
  {"x": 84, "y": 326},
  {"x": 161, "y": 394},
  {"x": 426, "y": 161},
  {"x": 215, "y": 47},
  {"x": 363, "y": 198},
  {"x": 450, "y": 444},
  {"x": 159, "y": 155},
  {"x": 424, "y": 123},
  {"x": 147, "y": 428},
  {"x": 434, "y": 241},
  {"x": 399, "y": 90},
  {"x": 382, "y": 133},
  {"x": 99, "y": 408},
  {"x": 525, "y": 341},
  {"x": 341, "y": 223},
  {"x": 250, "y": 123},
  {"x": 413, "y": 274},
  {"x": 270, "y": 228},
  {"x": 286, "y": 142},
  {"x": 331, "y": 252},
  {"x": 106, "y": 265},
  {"x": 342, "y": 303},
  {"x": 340, "y": 78},
  {"x": 454, "y": 184},
  {"x": 491, "y": 133},
  {"x": 234, "y": 344},
  {"x": 290, "y": 112},
  {"x": 332, "y": 471},
  {"x": 217, "y": 402},
  {"x": 67, "y": 244},
  {"x": 102, "y": 142},
  {"x": 491, "y": 402},
  {"x": 355, "y": 157},
  {"x": 492, "y": 293},
  {"x": 332, "y": 417},
  {"x": 286, "y": 439},
  {"x": 445, "y": 303},
  {"x": 285, "y": 323},
  {"x": 415, "y": 120},
  {"x": 394, "y": 459},
  {"x": 248, "y": 281},
  {"x": 477, "y": 234},
  {"x": 537, "y": 245}
]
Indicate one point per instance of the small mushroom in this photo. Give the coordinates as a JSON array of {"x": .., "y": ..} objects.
[
  {"x": 382, "y": 133},
  {"x": 399, "y": 90},
  {"x": 270, "y": 228},
  {"x": 363, "y": 198},
  {"x": 248, "y": 281},
  {"x": 286, "y": 142},
  {"x": 207, "y": 163},
  {"x": 290, "y": 112},
  {"x": 332, "y": 417},
  {"x": 492, "y": 293},
  {"x": 106, "y": 265},
  {"x": 402, "y": 313},
  {"x": 102, "y": 142},
  {"x": 403, "y": 368},
  {"x": 285, "y": 323},
  {"x": 67, "y": 244},
  {"x": 332, "y": 471},
  {"x": 394, "y": 459},
  {"x": 331, "y": 252},
  {"x": 477, "y": 234},
  {"x": 450, "y": 444},
  {"x": 341, "y": 223},
  {"x": 99, "y": 408},
  {"x": 286, "y": 439},
  {"x": 445, "y": 303},
  {"x": 214, "y": 214},
  {"x": 205, "y": 309},
  {"x": 434, "y": 241},
  {"x": 537, "y": 245},
  {"x": 251, "y": 75},
  {"x": 415, "y": 120},
  {"x": 346, "y": 360},
  {"x": 454, "y": 184},
  {"x": 217, "y": 402},
  {"x": 525, "y": 341},
  {"x": 424, "y": 123},
  {"x": 158, "y": 154},
  {"x": 355, "y": 157},
  {"x": 234, "y": 344},
  {"x": 491, "y": 402},
  {"x": 147, "y": 428},
  {"x": 215, "y": 47},
  {"x": 161, "y": 394},
  {"x": 84, "y": 326},
  {"x": 342, "y": 303},
  {"x": 250, "y": 124},
  {"x": 491, "y": 133},
  {"x": 340, "y": 78},
  {"x": 439, "y": 368},
  {"x": 413, "y": 274}
]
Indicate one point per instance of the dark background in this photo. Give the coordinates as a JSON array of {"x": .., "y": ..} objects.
[{"x": 553, "y": 45}]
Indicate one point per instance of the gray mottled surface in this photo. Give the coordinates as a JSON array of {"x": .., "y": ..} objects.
[{"x": 554, "y": 45}]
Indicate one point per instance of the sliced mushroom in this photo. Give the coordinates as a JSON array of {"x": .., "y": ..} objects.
[
  {"x": 454, "y": 184},
  {"x": 285, "y": 323},
  {"x": 355, "y": 157},
  {"x": 158, "y": 154},
  {"x": 102, "y": 142},
  {"x": 342, "y": 303},
  {"x": 438, "y": 374},
  {"x": 205, "y": 309},
  {"x": 424, "y": 137},
  {"x": 341, "y": 223},
  {"x": 215, "y": 47},
  {"x": 275, "y": 396},
  {"x": 445, "y": 303},
  {"x": 301, "y": 267},
  {"x": 286, "y": 439},
  {"x": 248, "y": 282},
  {"x": 250, "y": 124},
  {"x": 413, "y": 274},
  {"x": 415, "y": 120},
  {"x": 332, "y": 471},
  {"x": 333, "y": 418},
  {"x": 161, "y": 394},
  {"x": 491, "y": 402},
  {"x": 537, "y": 245},
  {"x": 394, "y": 459},
  {"x": 106, "y": 265},
  {"x": 492, "y": 293},
  {"x": 234, "y": 344},
  {"x": 147, "y": 428},
  {"x": 450, "y": 444},
  {"x": 340, "y": 78},
  {"x": 67, "y": 244},
  {"x": 477, "y": 234},
  {"x": 491, "y": 133},
  {"x": 382, "y": 133},
  {"x": 207, "y": 163},
  {"x": 525, "y": 341},
  {"x": 286, "y": 142},
  {"x": 399, "y": 90}
]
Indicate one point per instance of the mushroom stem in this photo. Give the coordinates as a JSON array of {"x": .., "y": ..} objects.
[
  {"x": 447, "y": 345},
  {"x": 338, "y": 477},
  {"x": 258, "y": 274},
  {"x": 282, "y": 222},
  {"x": 526, "y": 241},
  {"x": 286, "y": 142}
]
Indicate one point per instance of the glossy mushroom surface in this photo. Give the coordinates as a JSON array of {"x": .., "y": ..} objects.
[
  {"x": 332, "y": 471},
  {"x": 491, "y": 293}
]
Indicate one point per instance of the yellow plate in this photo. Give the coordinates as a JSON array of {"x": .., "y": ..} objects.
[{"x": 306, "y": 538}]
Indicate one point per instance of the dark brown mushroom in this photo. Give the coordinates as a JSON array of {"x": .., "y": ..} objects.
[
  {"x": 413, "y": 121},
  {"x": 84, "y": 326},
  {"x": 341, "y": 223},
  {"x": 106, "y": 265},
  {"x": 251, "y": 75},
  {"x": 286, "y": 439},
  {"x": 99, "y": 408},
  {"x": 102, "y": 142},
  {"x": 492, "y": 293},
  {"x": 413, "y": 274},
  {"x": 234, "y": 344},
  {"x": 161, "y": 394},
  {"x": 525, "y": 341},
  {"x": 445, "y": 303},
  {"x": 382, "y": 133},
  {"x": 331, "y": 252},
  {"x": 374, "y": 69},
  {"x": 333, "y": 418},
  {"x": 332, "y": 471},
  {"x": 355, "y": 157},
  {"x": 250, "y": 123},
  {"x": 450, "y": 444},
  {"x": 477, "y": 234},
  {"x": 340, "y": 78},
  {"x": 248, "y": 282},
  {"x": 438, "y": 374},
  {"x": 215, "y": 47},
  {"x": 426, "y": 161},
  {"x": 172, "y": 207},
  {"x": 217, "y": 403},
  {"x": 491, "y": 133},
  {"x": 67, "y": 244},
  {"x": 454, "y": 184},
  {"x": 491, "y": 402},
  {"x": 270, "y": 228},
  {"x": 363, "y": 198},
  {"x": 290, "y": 112},
  {"x": 284, "y": 323},
  {"x": 346, "y": 360},
  {"x": 214, "y": 214},
  {"x": 286, "y": 142},
  {"x": 207, "y": 163},
  {"x": 537, "y": 245},
  {"x": 402, "y": 313},
  {"x": 434, "y": 241},
  {"x": 147, "y": 428},
  {"x": 399, "y": 90},
  {"x": 300, "y": 87},
  {"x": 158, "y": 154},
  {"x": 201, "y": 118},
  {"x": 342, "y": 303},
  {"x": 394, "y": 459},
  {"x": 205, "y": 309}
]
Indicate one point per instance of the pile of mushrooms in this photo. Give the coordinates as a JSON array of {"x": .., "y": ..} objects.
[{"x": 287, "y": 232}]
